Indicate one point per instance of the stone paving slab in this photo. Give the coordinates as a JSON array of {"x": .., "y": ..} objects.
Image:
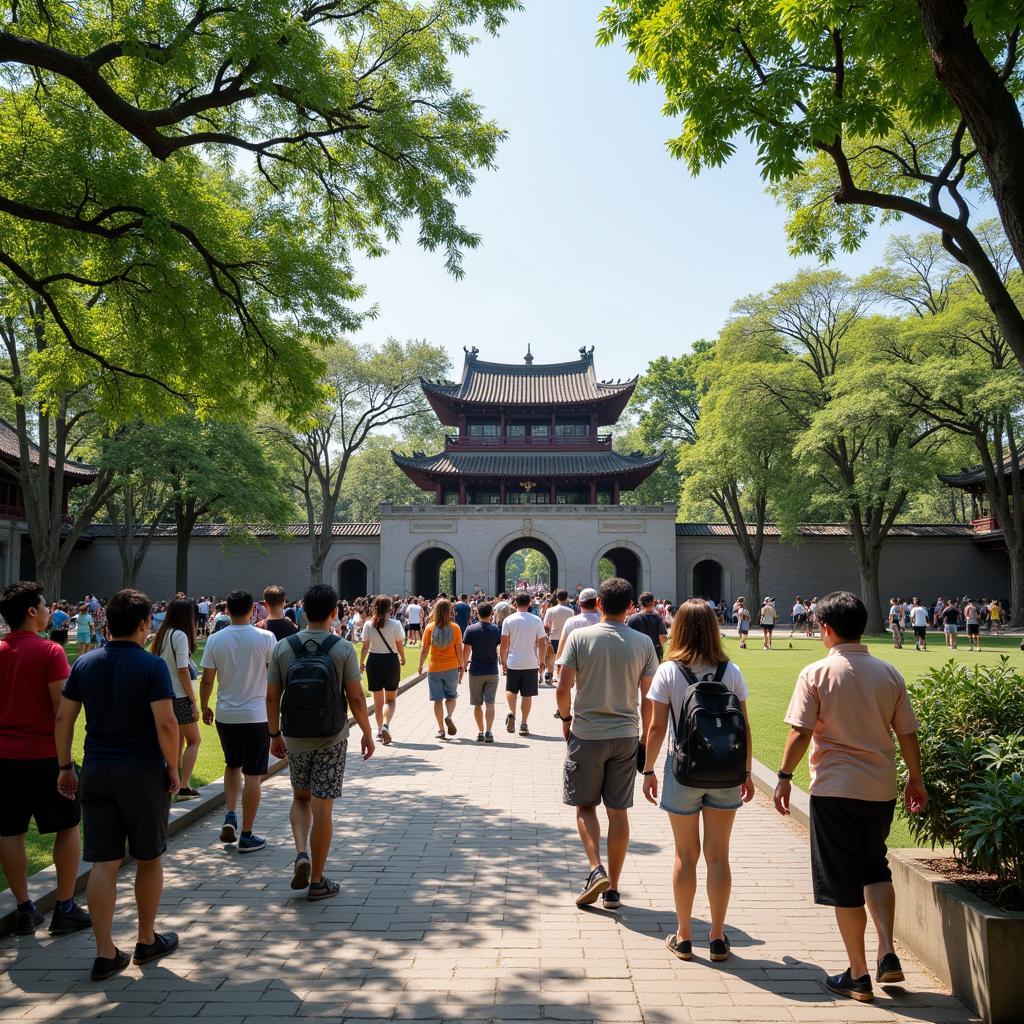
[{"x": 458, "y": 863}]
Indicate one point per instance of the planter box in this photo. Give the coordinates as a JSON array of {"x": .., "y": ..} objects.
[{"x": 977, "y": 950}]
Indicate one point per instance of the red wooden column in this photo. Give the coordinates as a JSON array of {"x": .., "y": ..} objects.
[
  {"x": 502, "y": 492},
  {"x": 615, "y": 492},
  {"x": 593, "y": 493},
  {"x": 440, "y": 494},
  {"x": 551, "y": 493},
  {"x": 462, "y": 492}
]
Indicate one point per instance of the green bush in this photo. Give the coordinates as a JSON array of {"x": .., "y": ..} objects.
[{"x": 972, "y": 762}]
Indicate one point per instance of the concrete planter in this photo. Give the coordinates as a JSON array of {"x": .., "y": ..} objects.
[{"x": 969, "y": 944}]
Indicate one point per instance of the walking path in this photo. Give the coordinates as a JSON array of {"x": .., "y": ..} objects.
[{"x": 458, "y": 865}]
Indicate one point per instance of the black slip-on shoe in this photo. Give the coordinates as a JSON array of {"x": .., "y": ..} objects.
[
  {"x": 68, "y": 921},
  {"x": 300, "y": 876},
  {"x": 480, "y": 737},
  {"x": 161, "y": 946},
  {"x": 28, "y": 921},
  {"x": 719, "y": 949},
  {"x": 682, "y": 948},
  {"x": 890, "y": 970},
  {"x": 488, "y": 737},
  {"x": 106, "y": 967},
  {"x": 597, "y": 882},
  {"x": 611, "y": 899},
  {"x": 853, "y": 988}
]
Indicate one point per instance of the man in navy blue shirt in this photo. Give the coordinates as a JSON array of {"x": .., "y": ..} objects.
[
  {"x": 129, "y": 772},
  {"x": 461, "y": 612},
  {"x": 480, "y": 647}
]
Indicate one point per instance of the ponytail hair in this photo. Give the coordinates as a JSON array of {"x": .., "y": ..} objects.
[{"x": 382, "y": 606}]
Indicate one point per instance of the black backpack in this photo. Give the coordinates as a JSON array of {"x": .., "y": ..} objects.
[
  {"x": 711, "y": 736},
  {"x": 312, "y": 705}
]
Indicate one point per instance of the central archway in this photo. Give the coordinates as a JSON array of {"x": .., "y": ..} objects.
[
  {"x": 427, "y": 572},
  {"x": 520, "y": 544}
]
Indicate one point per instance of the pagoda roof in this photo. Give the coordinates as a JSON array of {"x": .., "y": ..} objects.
[
  {"x": 10, "y": 451},
  {"x": 973, "y": 477},
  {"x": 426, "y": 470},
  {"x": 526, "y": 385}
]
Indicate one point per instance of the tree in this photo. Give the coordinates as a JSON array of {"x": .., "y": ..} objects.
[
  {"x": 842, "y": 105},
  {"x": 367, "y": 391}
]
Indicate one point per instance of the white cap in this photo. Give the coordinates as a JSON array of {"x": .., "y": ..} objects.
[{"x": 588, "y": 594}]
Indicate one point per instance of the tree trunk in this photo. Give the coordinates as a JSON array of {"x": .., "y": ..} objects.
[
  {"x": 867, "y": 570},
  {"x": 181, "y": 562},
  {"x": 1016, "y": 587},
  {"x": 48, "y": 574},
  {"x": 752, "y": 574},
  {"x": 988, "y": 108}
]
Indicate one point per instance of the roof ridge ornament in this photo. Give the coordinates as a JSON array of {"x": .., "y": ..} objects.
[
  {"x": 471, "y": 353},
  {"x": 587, "y": 354},
  {"x": 528, "y": 358}
]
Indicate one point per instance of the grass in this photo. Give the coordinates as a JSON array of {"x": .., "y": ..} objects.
[
  {"x": 771, "y": 676},
  {"x": 209, "y": 766}
]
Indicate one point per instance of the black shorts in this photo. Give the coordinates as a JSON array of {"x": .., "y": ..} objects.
[
  {"x": 973, "y": 629},
  {"x": 383, "y": 672},
  {"x": 201, "y": 620},
  {"x": 523, "y": 681},
  {"x": 184, "y": 710},
  {"x": 921, "y": 632},
  {"x": 246, "y": 745},
  {"x": 122, "y": 804},
  {"x": 848, "y": 848},
  {"x": 30, "y": 791}
]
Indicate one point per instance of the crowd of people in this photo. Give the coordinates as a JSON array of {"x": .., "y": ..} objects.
[{"x": 628, "y": 671}]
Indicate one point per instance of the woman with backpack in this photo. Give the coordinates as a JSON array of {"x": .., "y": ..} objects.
[
  {"x": 442, "y": 644},
  {"x": 382, "y": 658},
  {"x": 707, "y": 772}
]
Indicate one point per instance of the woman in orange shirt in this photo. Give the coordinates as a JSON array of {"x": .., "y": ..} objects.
[{"x": 442, "y": 643}]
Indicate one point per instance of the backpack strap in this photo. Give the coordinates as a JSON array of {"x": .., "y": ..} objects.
[
  {"x": 328, "y": 643},
  {"x": 295, "y": 644},
  {"x": 720, "y": 671}
]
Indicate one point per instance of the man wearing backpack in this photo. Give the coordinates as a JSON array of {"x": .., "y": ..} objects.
[
  {"x": 850, "y": 704},
  {"x": 314, "y": 682}
]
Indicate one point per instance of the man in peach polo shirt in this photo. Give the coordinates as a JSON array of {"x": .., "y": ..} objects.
[{"x": 850, "y": 704}]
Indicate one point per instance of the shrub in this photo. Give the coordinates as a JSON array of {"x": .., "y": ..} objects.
[{"x": 972, "y": 762}]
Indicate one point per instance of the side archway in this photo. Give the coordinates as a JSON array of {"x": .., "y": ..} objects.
[
  {"x": 627, "y": 562},
  {"x": 708, "y": 580}
]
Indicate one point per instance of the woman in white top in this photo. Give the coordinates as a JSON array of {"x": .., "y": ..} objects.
[
  {"x": 382, "y": 658},
  {"x": 767, "y": 619},
  {"x": 695, "y": 641},
  {"x": 175, "y": 642}
]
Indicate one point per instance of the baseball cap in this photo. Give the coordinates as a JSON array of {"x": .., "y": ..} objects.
[{"x": 588, "y": 594}]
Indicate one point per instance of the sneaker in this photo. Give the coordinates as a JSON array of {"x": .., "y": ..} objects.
[
  {"x": 440, "y": 735},
  {"x": 161, "y": 946},
  {"x": 488, "y": 737},
  {"x": 322, "y": 890},
  {"x": 890, "y": 970},
  {"x": 480, "y": 737},
  {"x": 597, "y": 882},
  {"x": 74, "y": 920},
  {"x": 185, "y": 794},
  {"x": 510, "y": 722},
  {"x": 106, "y": 967},
  {"x": 682, "y": 948},
  {"x": 251, "y": 843},
  {"x": 524, "y": 729},
  {"x": 451, "y": 725},
  {"x": 611, "y": 899},
  {"x": 719, "y": 948},
  {"x": 300, "y": 876},
  {"x": 28, "y": 920},
  {"x": 229, "y": 830},
  {"x": 385, "y": 735},
  {"x": 854, "y": 988}
]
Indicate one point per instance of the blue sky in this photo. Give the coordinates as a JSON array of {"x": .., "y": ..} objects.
[{"x": 592, "y": 234}]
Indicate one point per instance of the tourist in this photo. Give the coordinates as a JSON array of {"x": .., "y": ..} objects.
[
  {"x": 382, "y": 657},
  {"x": 647, "y": 621},
  {"x": 848, "y": 705},
  {"x": 311, "y": 730},
  {"x": 799, "y": 616},
  {"x": 766, "y": 620},
  {"x": 555, "y": 618},
  {"x": 919, "y": 621},
  {"x": 812, "y": 617},
  {"x": 175, "y": 642},
  {"x": 202, "y": 616},
  {"x": 523, "y": 650},
  {"x": 275, "y": 621},
  {"x": 32, "y": 675},
  {"x": 412, "y": 621},
  {"x": 503, "y": 609},
  {"x": 972, "y": 621},
  {"x": 588, "y": 615},
  {"x": 481, "y": 644},
  {"x": 461, "y": 612},
  {"x": 238, "y": 655},
  {"x": 129, "y": 773},
  {"x": 59, "y": 620},
  {"x": 950, "y": 617},
  {"x": 611, "y": 667},
  {"x": 696, "y": 653},
  {"x": 442, "y": 645},
  {"x": 896, "y": 622},
  {"x": 995, "y": 617},
  {"x": 221, "y": 620},
  {"x": 742, "y": 614},
  {"x": 83, "y": 629}
]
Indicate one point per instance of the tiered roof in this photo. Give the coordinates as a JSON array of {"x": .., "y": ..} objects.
[{"x": 10, "y": 451}]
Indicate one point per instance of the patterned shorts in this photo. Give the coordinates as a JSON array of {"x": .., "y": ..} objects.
[{"x": 321, "y": 771}]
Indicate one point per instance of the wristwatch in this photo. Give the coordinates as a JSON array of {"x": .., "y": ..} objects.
[
  {"x": 647, "y": 773},
  {"x": 784, "y": 776},
  {"x": 567, "y": 718},
  {"x": 66, "y": 767},
  {"x": 274, "y": 735}
]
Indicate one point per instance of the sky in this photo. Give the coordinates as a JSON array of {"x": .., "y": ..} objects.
[{"x": 591, "y": 233}]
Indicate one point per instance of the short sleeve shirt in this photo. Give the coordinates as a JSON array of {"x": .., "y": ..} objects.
[
  {"x": 670, "y": 685},
  {"x": 950, "y": 616},
  {"x": 919, "y": 615},
  {"x": 854, "y": 703},
  {"x": 117, "y": 686},
  {"x": 483, "y": 639},
  {"x": 443, "y": 659},
  {"x": 174, "y": 653},
  {"x": 28, "y": 664},
  {"x": 609, "y": 659},
  {"x": 555, "y": 619},
  {"x": 651, "y": 624},
  {"x": 346, "y": 663},
  {"x": 523, "y": 630},
  {"x": 240, "y": 654},
  {"x": 391, "y": 631}
]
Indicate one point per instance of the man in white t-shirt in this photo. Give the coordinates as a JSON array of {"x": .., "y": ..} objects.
[
  {"x": 412, "y": 621},
  {"x": 799, "y": 616},
  {"x": 523, "y": 647},
  {"x": 555, "y": 619},
  {"x": 238, "y": 655},
  {"x": 919, "y": 620}
]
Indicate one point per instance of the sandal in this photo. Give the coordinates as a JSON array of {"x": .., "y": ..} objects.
[
  {"x": 385, "y": 735},
  {"x": 322, "y": 890},
  {"x": 440, "y": 735}
]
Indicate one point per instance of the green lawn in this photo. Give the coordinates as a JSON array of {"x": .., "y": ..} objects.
[
  {"x": 770, "y": 677},
  {"x": 209, "y": 766}
]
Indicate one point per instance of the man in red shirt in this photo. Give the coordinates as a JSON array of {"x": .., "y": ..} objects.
[{"x": 32, "y": 675}]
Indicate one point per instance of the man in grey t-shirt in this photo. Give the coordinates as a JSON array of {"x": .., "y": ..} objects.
[
  {"x": 316, "y": 764},
  {"x": 612, "y": 667}
]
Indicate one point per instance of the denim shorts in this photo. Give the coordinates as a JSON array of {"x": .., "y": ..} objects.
[
  {"x": 677, "y": 799},
  {"x": 443, "y": 685}
]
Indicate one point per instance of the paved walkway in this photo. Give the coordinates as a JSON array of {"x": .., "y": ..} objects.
[{"x": 458, "y": 864}]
